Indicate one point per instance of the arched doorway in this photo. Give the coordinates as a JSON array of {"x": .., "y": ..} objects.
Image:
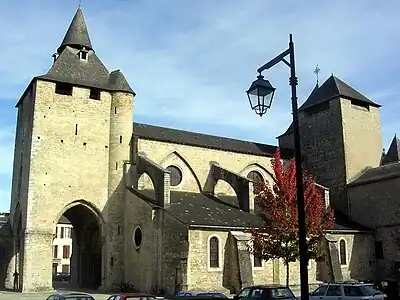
[{"x": 77, "y": 249}]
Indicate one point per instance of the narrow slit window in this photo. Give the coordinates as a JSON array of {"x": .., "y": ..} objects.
[
  {"x": 76, "y": 129},
  {"x": 116, "y": 166},
  {"x": 115, "y": 110},
  {"x": 120, "y": 139}
]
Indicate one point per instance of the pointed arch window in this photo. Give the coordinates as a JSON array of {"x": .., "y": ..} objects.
[
  {"x": 257, "y": 178},
  {"x": 342, "y": 252},
  {"x": 214, "y": 252}
]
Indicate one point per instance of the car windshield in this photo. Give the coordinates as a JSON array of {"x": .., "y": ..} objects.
[
  {"x": 79, "y": 298},
  {"x": 279, "y": 293},
  {"x": 139, "y": 298}
]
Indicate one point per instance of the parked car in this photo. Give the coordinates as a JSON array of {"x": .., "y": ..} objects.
[
  {"x": 132, "y": 296},
  {"x": 201, "y": 294},
  {"x": 347, "y": 291},
  {"x": 265, "y": 292},
  {"x": 70, "y": 296}
]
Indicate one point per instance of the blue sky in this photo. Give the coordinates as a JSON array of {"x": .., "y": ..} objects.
[{"x": 190, "y": 62}]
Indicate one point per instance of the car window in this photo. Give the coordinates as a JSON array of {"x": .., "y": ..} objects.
[
  {"x": 368, "y": 290},
  {"x": 180, "y": 294},
  {"x": 283, "y": 292},
  {"x": 256, "y": 293},
  {"x": 352, "y": 291},
  {"x": 111, "y": 298},
  {"x": 244, "y": 293},
  {"x": 333, "y": 290},
  {"x": 320, "y": 291},
  {"x": 188, "y": 294}
]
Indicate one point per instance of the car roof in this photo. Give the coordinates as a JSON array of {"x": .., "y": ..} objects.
[
  {"x": 267, "y": 286},
  {"x": 135, "y": 295},
  {"x": 70, "y": 295}
]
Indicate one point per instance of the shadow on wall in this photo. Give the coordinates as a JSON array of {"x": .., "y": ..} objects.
[
  {"x": 6, "y": 252},
  {"x": 362, "y": 264},
  {"x": 231, "y": 272}
]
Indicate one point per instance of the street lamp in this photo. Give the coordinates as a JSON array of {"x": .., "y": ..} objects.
[{"x": 260, "y": 95}]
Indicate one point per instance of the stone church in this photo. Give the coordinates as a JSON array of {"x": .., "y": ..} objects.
[{"x": 168, "y": 209}]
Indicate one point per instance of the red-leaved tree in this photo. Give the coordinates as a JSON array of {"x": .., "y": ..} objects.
[{"x": 278, "y": 236}]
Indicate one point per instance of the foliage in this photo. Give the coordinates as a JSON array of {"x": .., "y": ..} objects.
[{"x": 277, "y": 237}]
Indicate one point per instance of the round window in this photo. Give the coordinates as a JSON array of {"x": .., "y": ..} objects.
[
  {"x": 137, "y": 237},
  {"x": 176, "y": 175}
]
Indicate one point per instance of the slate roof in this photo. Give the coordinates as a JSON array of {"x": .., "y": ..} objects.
[
  {"x": 69, "y": 68},
  {"x": 77, "y": 34},
  {"x": 342, "y": 223},
  {"x": 333, "y": 87},
  {"x": 371, "y": 175},
  {"x": 63, "y": 220},
  {"x": 201, "y": 209},
  {"x": 169, "y": 135},
  {"x": 198, "y": 209},
  {"x": 393, "y": 154}
]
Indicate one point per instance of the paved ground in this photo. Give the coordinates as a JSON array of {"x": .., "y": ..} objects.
[{"x": 19, "y": 296}]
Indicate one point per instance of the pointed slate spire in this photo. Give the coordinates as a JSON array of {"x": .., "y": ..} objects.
[
  {"x": 393, "y": 154},
  {"x": 77, "y": 34}
]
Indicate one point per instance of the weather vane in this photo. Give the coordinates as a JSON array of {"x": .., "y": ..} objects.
[{"x": 316, "y": 72}]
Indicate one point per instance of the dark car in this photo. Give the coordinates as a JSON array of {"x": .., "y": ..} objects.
[
  {"x": 71, "y": 296},
  {"x": 264, "y": 292},
  {"x": 132, "y": 296}
]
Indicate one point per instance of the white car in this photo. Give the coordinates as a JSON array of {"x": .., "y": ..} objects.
[{"x": 347, "y": 291}]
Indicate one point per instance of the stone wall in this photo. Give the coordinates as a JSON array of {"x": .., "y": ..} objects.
[
  {"x": 195, "y": 163},
  {"x": 339, "y": 140},
  {"x": 368, "y": 207},
  {"x": 362, "y": 137},
  {"x": 360, "y": 258},
  {"x": 201, "y": 276},
  {"x": 67, "y": 150}
]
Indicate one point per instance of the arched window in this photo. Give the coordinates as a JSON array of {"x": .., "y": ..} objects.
[
  {"x": 342, "y": 252},
  {"x": 214, "y": 252},
  {"x": 257, "y": 178},
  {"x": 176, "y": 175}
]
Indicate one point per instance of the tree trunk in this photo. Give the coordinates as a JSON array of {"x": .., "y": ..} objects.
[{"x": 287, "y": 274}]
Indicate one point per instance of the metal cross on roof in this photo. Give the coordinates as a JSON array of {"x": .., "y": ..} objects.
[{"x": 316, "y": 72}]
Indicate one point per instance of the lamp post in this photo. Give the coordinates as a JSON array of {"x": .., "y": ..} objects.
[{"x": 260, "y": 95}]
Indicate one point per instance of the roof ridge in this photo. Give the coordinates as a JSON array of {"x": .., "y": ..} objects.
[{"x": 200, "y": 133}]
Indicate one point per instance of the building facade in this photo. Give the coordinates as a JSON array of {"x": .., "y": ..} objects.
[
  {"x": 62, "y": 247},
  {"x": 168, "y": 209}
]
